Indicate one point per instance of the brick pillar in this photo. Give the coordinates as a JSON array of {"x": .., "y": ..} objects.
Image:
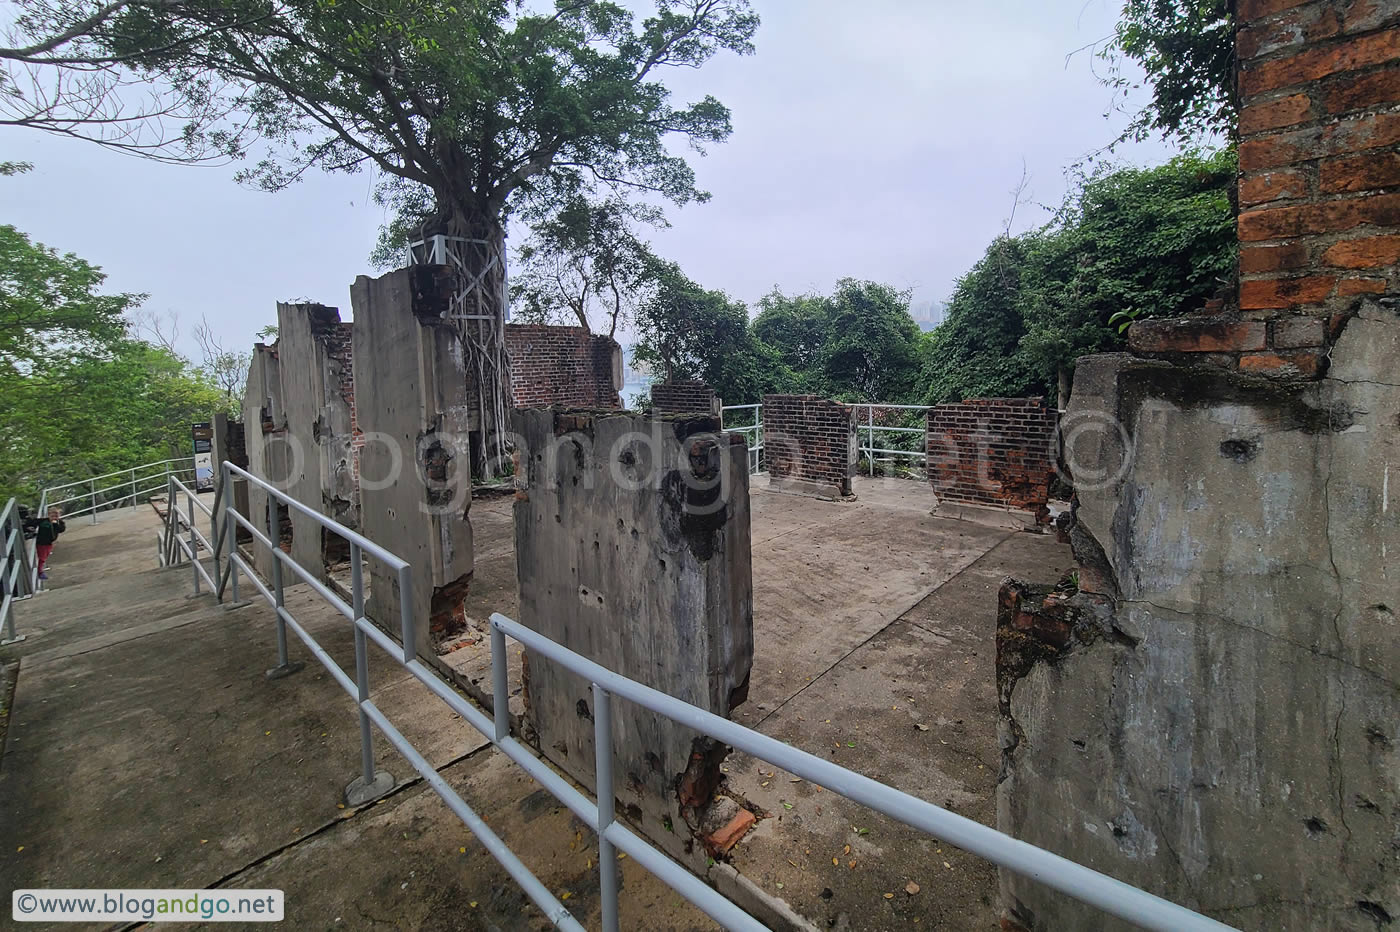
[{"x": 1319, "y": 171}]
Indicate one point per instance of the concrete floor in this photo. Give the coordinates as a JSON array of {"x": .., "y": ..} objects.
[{"x": 146, "y": 749}]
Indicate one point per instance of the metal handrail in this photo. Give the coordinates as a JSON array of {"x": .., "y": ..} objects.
[
  {"x": 1083, "y": 883},
  {"x": 870, "y": 428},
  {"x": 16, "y": 583},
  {"x": 756, "y": 429},
  {"x": 128, "y": 486},
  {"x": 121, "y": 472}
]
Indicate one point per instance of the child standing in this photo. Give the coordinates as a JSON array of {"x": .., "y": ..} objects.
[{"x": 48, "y": 529}]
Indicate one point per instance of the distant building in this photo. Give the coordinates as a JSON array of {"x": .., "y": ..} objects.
[{"x": 929, "y": 313}]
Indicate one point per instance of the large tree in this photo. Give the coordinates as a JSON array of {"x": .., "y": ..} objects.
[
  {"x": 584, "y": 264},
  {"x": 466, "y": 112}
]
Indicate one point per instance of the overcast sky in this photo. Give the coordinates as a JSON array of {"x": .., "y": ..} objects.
[{"x": 878, "y": 139}]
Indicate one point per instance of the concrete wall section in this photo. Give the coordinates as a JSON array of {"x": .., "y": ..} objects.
[
  {"x": 314, "y": 350},
  {"x": 809, "y": 444},
  {"x": 684, "y": 398},
  {"x": 563, "y": 366},
  {"x": 230, "y": 445},
  {"x": 993, "y": 451},
  {"x": 270, "y": 457},
  {"x": 1216, "y": 716},
  {"x": 415, "y": 405},
  {"x": 632, "y": 540}
]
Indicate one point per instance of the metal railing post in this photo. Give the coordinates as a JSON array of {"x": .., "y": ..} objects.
[
  {"x": 194, "y": 546},
  {"x": 230, "y": 536},
  {"x": 357, "y": 604},
  {"x": 870, "y": 436},
  {"x": 133, "y": 488},
  {"x": 274, "y": 528},
  {"x": 603, "y": 757},
  {"x": 92, "y": 485},
  {"x": 500, "y": 685}
]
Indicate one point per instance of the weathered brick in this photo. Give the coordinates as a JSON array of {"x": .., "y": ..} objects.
[
  {"x": 1299, "y": 332},
  {"x": 1314, "y": 63},
  {"x": 1286, "y": 292},
  {"x": 992, "y": 451},
  {"x": 560, "y": 365},
  {"x": 721, "y": 841},
  {"x": 1327, "y": 217},
  {"x": 1272, "y": 186},
  {"x": 1364, "y": 253},
  {"x": 683, "y": 398},
  {"x": 1349, "y": 287},
  {"x": 1273, "y": 114},
  {"x": 1281, "y": 258},
  {"x": 1297, "y": 27},
  {"x": 1249, "y": 10},
  {"x": 1355, "y": 134},
  {"x": 1294, "y": 365},
  {"x": 1354, "y": 92},
  {"x": 1365, "y": 172},
  {"x": 1196, "y": 335}
]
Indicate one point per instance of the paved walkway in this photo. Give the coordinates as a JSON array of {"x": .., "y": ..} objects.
[{"x": 146, "y": 749}]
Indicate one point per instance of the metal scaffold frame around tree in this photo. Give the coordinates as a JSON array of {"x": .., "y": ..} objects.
[{"x": 482, "y": 335}]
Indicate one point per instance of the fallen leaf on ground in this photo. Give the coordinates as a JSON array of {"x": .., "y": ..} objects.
[
  {"x": 921, "y": 726},
  {"x": 889, "y": 896},
  {"x": 852, "y": 865},
  {"x": 911, "y": 888},
  {"x": 846, "y": 850},
  {"x": 947, "y": 865},
  {"x": 836, "y": 862}
]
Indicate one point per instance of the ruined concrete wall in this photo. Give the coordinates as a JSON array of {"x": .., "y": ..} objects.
[
  {"x": 415, "y": 403},
  {"x": 632, "y": 540},
  {"x": 809, "y": 443},
  {"x": 993, "y": 451},
  {"x": 1215, "y": 714},
  {"x": 229, "y": 444},
  {"x": 270, "y": 457},
  {"x": 563, "y": 366},
  {"x": 316, "y": 365},
  {"x": 684, "y": 398}
]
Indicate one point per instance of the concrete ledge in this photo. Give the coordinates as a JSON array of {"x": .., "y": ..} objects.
[
  {"x": 823, "y": 490},
  {"x": 990, "y": 515},
  {"x": 770, "y": 910}
]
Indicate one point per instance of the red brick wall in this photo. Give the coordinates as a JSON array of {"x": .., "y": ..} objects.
[
  {"x": 683, "y": 398},
  {"x": 809, "y": 438},
  {"x": 561, "y": 366},
  {"x": 1319, "y": 186},
  {"x": 993, "y": 451}
]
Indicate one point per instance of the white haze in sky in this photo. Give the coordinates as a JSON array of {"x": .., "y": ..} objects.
[{"x": 879, "y": 139}]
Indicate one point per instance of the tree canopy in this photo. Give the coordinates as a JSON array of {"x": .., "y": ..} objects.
[
  {"x": 78, "y": 395},
  {"x": 686, "y": 332},
  {"x": 1146, "y": 242},
  {"x": 462, "y": 108},
  {"x": 857, "y": 344},
  {"x": 1187, "y": 48}
]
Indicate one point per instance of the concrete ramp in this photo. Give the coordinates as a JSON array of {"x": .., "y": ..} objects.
[{"x": 146, "y": 749}]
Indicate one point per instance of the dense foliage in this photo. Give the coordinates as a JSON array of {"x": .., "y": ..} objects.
[
  {"x": 78, "y": 395},
  {"x": 687, "y": 332},
  {"x": 1187, "y": 49},
  {"x": 857, "y": 344},
  {"x": 1153, "y": 242}
]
